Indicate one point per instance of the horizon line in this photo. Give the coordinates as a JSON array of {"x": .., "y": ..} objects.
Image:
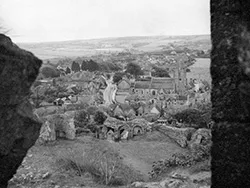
[{"x": 101, "y": 38}]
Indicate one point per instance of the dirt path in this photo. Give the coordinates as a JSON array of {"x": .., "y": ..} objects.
[{"x": 139, "y": 165}]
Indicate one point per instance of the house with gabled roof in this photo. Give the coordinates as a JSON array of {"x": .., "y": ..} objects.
[
  {"x": 162, "y": 85},
  {"x": 154, "y": 87},
  {"x": 141, "y": 87},
  {"x": 124, "y": 111},
  {"x": 123, "y": 85},
  {"x": 155, "y": 109}
]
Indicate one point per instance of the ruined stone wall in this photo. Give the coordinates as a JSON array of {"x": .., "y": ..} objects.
[{"x": 230, "y": 20}]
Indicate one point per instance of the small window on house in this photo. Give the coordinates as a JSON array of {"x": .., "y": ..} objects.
[
  {"x": 153, "y": 92},
  {"x": 142, "y": 92}
]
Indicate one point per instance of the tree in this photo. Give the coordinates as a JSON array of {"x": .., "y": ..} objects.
[
  {"x": 191, "y": 117},
  {"x": 117, "y": 77},
  {"x": 75, "y": 67},
  {"x": 90, "y": 65},
  {"x": 93, "y": 66},
  {"x": 84, "y": 65},
  {"x": 78, "y": 67},
  {"x": 160, "y": 72},
  {"x": 134, "y": 69},
  {"x": 68, "y": 71},
  {"x": 99, "y": 117}
]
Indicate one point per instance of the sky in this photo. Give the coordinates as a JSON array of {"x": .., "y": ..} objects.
[{"x": 61, "y": 20}]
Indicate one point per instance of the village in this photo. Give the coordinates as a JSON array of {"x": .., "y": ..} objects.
[
  {"x": 125, "y": 107},
  {"x": 132, "y": 98}
]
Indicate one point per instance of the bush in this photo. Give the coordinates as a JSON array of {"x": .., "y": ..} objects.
[
  {"x": 176, "y": 160},
  {"x": 99, "y": 117},
  {"x": 81, "y": 119},
  {"x": 50, "y": 72},
  {"x": 102, "y": 162},
  {"x": 192, "y": 117}
]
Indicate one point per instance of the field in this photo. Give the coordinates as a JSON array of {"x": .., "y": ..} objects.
[
  {"x": 200, "y": 70},
  {"x": 41, "y": 169},
  {"x": 110, "y": 45}
]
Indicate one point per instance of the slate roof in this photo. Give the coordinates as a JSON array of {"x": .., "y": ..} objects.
[
  {"x": 156, "y": 83},
  {"x": 182, "y": 97},
  {"x": 142, "y": 84},
  {"x": 162, "y": 83},
  {"x": 125, "y": 107}
]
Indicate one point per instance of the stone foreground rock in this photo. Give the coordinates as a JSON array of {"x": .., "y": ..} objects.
[
  {"x": 230, "y": 65},
  {"x": 19, "y": 128},
  {"x": 173, "y": 181}
]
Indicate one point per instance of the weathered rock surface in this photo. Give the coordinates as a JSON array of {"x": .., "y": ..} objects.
[
  {"x": 201, "y": 141},
  {"x": 174, "y": 181},
  {"x": 56, "y": 126},
  {"x": 19, "y": 128},
  {"x": 180, "y": 135},
  {"x": 230, "y": 31}
]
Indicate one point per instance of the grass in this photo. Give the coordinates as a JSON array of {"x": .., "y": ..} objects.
[{"x": 101, "y": 162}]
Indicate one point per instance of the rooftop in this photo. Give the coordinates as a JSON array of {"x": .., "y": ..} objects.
[{"x": 156, "y": 83}]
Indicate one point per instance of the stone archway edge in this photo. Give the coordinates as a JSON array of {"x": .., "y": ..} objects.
[{"x": 230, "y": 65}]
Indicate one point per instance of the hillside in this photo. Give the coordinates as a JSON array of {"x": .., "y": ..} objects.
[{"x": 135, "y": 44}]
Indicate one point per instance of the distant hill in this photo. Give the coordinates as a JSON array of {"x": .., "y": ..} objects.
[{"x": 134, "y": 44}]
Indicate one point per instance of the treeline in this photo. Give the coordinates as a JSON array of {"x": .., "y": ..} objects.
[{"x": 92, "y": 66}]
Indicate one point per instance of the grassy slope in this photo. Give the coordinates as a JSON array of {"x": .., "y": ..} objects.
[{"x": 139, "y": 154}]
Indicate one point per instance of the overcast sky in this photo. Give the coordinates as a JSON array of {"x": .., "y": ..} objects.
[{"x": 57, "y": 20}]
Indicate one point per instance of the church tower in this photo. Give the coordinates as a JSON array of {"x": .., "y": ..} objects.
[{"x": 180, "y": 76}]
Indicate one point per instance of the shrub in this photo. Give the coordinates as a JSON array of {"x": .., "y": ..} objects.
[
  {"x": 99, "y": 117},
  {"x": 50, "y": 72},
  {"x": 81, "y": 119},
  {"x": 176, "y": 160},
  {"x": 192, "y": 117},
  {"x": 102, "y": 162}
]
